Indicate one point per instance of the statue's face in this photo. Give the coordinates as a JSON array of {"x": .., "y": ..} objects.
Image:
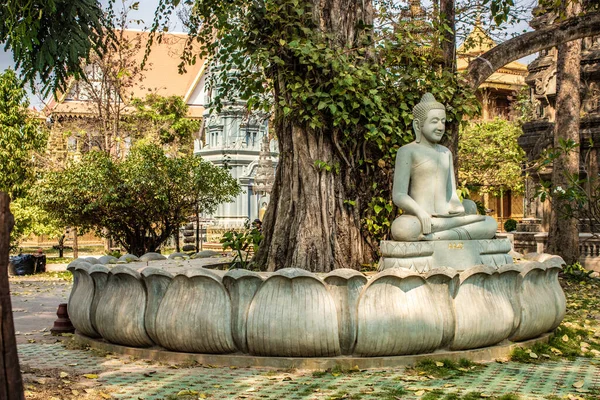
[{"x": 434, "y": 126}]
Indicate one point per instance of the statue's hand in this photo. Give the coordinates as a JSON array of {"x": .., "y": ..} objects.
[{"x": 425, "y": 222}]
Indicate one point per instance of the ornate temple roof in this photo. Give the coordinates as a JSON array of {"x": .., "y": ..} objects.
[{"x": 511, "y": 76}]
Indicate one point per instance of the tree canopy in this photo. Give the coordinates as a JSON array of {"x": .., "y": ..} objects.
[
  {"x": 31, "y": 219},
  {"x": 162, "y": 120},
  {"x": 490, "y": 157},
  {"x": 342, "y": 92},
  {"x": 141, "y": 200},
  {"x": 50, "y": 38},
  {"x": 21, "y": 136}
]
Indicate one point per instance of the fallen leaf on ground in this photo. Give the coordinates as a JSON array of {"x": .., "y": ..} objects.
[
  {"x": 186, "y": 392},
  {"x": 578, "y": 384}
]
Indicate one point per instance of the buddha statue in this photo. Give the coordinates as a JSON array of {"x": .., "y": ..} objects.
[{"x": 425, "y": 189}]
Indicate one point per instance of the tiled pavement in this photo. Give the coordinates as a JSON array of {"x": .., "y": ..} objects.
[{"x": 123, "y": 378}]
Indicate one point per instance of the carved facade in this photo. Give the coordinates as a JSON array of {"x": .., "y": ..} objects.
[
  {"x": 538, "y": 134},
  {"x": 496, "y": 95},
  {"x": 240, "y": 141}
]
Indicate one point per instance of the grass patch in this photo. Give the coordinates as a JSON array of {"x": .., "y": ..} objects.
[
  {"x": 45, "y": 276},
  {"x": 452, "y": 396},
  {"x": 335, "y": 371},
  {"x": 393, "y": 393},
  {"x": 566, "y": 341},
  {"x": 309, "y": 389},
  {"x": 444, "y": 368},
  {"x": 345, "y": 395},
  {"x": 436, "y": 394},
  {"x": 594, "y": 393},
  {"x": 58, "y": 260},
  {"x": 509, "y": 396},
  {"x": 579, "y": 333},
  {"x": 58, "y": 275}
]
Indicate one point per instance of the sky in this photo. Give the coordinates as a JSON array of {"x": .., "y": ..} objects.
[{"x": 145, "y": 13}]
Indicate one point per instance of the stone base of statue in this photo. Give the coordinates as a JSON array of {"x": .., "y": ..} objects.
[
  {"x": 178, "y": 305},
  {"x": 457, "y": 254}
]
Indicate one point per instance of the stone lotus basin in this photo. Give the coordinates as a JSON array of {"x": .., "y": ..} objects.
[{"x": 181, "y": 306}]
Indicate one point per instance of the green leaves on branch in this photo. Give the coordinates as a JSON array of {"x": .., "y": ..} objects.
[
  {"x": 578, "y": 196},
  {"x": 500, "y": 9},
  {"x": 241, "y": 242},
  {"x": 21, "y": 137},
  {"x": 50, "y": 38},
  {"x": 31, "y": 219},
  {"x": 141, "y": 200},
  {"x": 489, "y": 156},
  {"x": 355, "y": 91},
  {"x": 162, "y": 120}
]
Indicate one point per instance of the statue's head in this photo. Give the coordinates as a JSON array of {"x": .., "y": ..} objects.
[{"x": 428, "y": 107}]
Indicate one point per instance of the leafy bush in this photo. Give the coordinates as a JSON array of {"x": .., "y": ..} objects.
[
  {"x": 140, "y": 200},
  {"x": 240, "y": 242},
  {"x": 510, "y": 225}
]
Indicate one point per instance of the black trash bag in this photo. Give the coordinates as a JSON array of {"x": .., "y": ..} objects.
[{"x": 23, "y": 264}]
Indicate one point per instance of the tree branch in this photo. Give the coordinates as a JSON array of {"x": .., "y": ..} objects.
[{"x": 531, "y": 42}]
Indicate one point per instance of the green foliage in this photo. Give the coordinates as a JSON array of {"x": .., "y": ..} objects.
[
  {"x": 464, "y": 193},
  {"x": 500, "y": 9},
  {"x": 444, "y": 368},
  {"x": 21, "y": 136},
  {"x": 31, "y": 219},
  {"x": 510, "y": 225},
  {"x": 50, "y": 38},
  {"x": 241, "y": 242},
  {"x": 356, "y": 95},
  {"x": 566, "y": 341},
  {"x": 324, "y": 166},
  {"x": 489, "y": 156},
  {"x": 163, "y": 120},
  {"x": 141, "y": 200},
  {"x": 114, "y": 253},
  {"x": 523, "y": 107},
  {"x": 580, "y": 197},
  {"x": 576, "y": 270}
]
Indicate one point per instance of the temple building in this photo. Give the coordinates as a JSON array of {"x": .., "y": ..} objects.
[
  {"x": 240, "y": 141},
  {"x": 231, "y": 138},
  {"x": 496, "y": 95},
  {"x": 538, "y": 134},
  {"x": 78, "y": 109}
]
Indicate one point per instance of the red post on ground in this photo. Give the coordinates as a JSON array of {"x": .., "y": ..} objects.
[{"x": 11, "y": 383}]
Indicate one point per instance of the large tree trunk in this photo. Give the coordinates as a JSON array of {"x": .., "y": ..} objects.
[
  {"x": 563, "y": 238},
  {"x": 448, "y": 18},
  {"x": 307, "y": 224},
  {"x": 11, "y": 383}
]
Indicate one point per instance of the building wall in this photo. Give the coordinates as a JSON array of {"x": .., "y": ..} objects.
[{"x": 233, "y": 139}]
